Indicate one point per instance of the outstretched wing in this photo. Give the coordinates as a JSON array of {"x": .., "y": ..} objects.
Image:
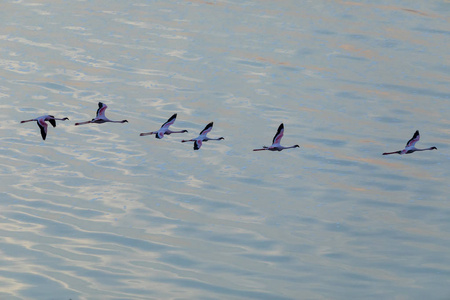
[
  {"x": 197, "y": 144},
  {"x": 414, "y": 139},
  {"x": 278, "y": 135},
  {"x": 170, "y": 121},
  {"x": 101, "y": 109},
  {"x": 207, "y": 129}
]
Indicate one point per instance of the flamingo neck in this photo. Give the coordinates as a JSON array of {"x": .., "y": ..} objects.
[
  {"x": 213, "y": 139},
  {"x": 431, "y": 148}
]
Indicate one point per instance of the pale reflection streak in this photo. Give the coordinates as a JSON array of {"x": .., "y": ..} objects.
[
  {"x": 47, "y": 222},
  {"x": 390, "y": 7},
  {"x": 76, "y": 55},
  {"x": 191, "y": 233},
  {"x": 20, "y": 67},
  {"x": 65, "y": 50}
]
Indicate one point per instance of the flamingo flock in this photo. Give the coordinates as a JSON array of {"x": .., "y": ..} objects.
[{"x": 101, "y": 118}]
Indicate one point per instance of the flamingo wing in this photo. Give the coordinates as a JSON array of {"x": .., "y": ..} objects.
[
  {"x": 197, "y": 144},
  {"x": 52, "y": 121},
  {"x": 278, "y": 135},
  {"x": 43, "y": 126},
  {"x": 414, "y": 139},
  {"x": 159, "y": 134},
  {"x": 169, "y": 122},
  {"x": 101, "y": 109},
  {"x": 207, "y": 129}
]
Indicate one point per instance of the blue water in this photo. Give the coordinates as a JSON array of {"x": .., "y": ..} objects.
[{"x": 99, "y": 212}]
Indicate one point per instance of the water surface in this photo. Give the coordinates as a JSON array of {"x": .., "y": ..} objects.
[{"x": 97, "y": 211}]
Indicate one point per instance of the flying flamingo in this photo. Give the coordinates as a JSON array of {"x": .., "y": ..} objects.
[
  {"x": 409, "y": 148},
  {"x": 42, "y": 125},
  {"x": 202, "y": 137},
  {"x": 164, "y": 129},
  {"x": 276, "y": 141},
  {"x": 100, "y": 118}
]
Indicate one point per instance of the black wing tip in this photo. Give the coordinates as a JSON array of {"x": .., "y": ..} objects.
[
  {"x": 196, "y": 147},
  {"x": 43, "y": 133},
  {"x": 209, "y": 125},
  {"x": 281, "y": 127},
  {"x": 173, "y": 117}
]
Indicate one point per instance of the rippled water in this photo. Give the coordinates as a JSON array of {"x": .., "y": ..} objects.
[{"x": 98, "y": 212}]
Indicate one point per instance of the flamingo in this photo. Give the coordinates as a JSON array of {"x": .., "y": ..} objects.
[
  {"x": 409, "y": 148},
  {"x": 276, "y": 141},
  {"x": 42, "y": 125},
  {"x": 100, "y": 118},
  {"x": 164, "y": 129},
  {"x": 202, "y": 137}
]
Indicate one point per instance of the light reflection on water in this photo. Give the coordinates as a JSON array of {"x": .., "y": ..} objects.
[{"x": 97, "y": 211}]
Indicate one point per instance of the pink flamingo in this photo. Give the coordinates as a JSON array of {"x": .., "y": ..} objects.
[
  {"x": 42, "y": 125},
  {"x": 100, "y": 118},
  {"x": 276, "y": 141},
  {"x": 409, "y": 148},
  {"x": 164, "y": 129},
  {"x": 202, "y": 137}
]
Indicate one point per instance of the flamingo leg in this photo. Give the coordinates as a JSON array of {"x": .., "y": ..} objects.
[{"x": 146, "y": 133}]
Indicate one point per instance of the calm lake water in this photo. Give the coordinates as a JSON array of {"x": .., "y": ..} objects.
[{"x": 99, "y": 212}]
